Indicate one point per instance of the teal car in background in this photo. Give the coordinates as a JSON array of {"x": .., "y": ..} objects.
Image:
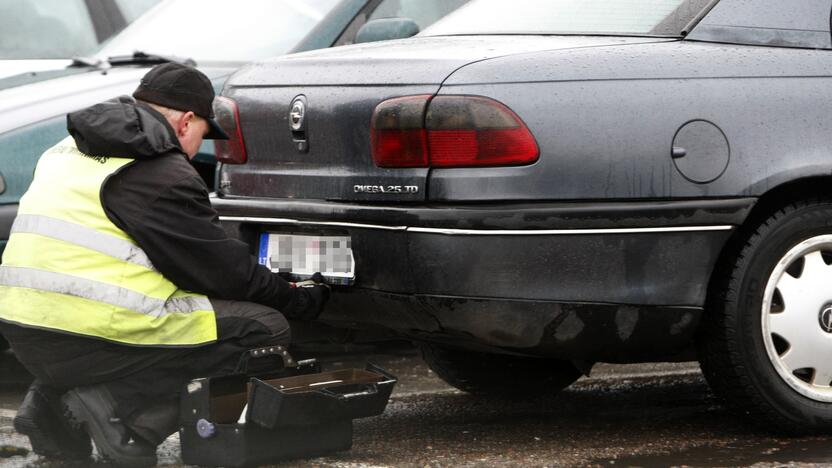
[
  {"x": 16, "y": 166},
  {"x": 218, "y": 39},
  {"x": 38, "y": 39}
]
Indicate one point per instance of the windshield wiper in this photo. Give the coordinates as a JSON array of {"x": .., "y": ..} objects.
[
  {"x": 92, "y": 62},
  {"x": 144, "y": 58},
  {"x": 136, "y": 58}
]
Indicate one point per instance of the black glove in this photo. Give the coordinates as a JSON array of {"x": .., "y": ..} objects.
[{"x": 309, "y": 299}]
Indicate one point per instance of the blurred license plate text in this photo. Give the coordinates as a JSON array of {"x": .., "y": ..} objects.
[{"x": 301, "y": 256}]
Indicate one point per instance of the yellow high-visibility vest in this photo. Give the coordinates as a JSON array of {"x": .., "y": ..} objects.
[{"x": 68, "y": 268}]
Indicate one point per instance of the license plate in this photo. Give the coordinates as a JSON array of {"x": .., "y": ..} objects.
[{"x": 301, "y": 256}]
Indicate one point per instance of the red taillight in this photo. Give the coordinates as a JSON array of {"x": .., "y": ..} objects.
[
  {"x": 449, "y": 131},
  {"x": 233, "y": 150}
]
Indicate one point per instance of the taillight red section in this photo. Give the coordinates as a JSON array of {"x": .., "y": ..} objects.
[
  {"x": 398, "y": 136},
  {"x": 233, "y": 150},
  {"x": 450, "y": 131},
  {"x": 400, "y": 148}
]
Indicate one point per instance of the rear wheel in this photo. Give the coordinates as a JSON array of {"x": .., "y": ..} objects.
[
  {"x": 498, "y": 374},
  {"x": 766, "y": 345}
]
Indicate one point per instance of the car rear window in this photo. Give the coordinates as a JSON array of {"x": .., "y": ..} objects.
[
  {"x": 219, "y": 30},
  {"x": 628, "y": 17},
  {"x": 44, "y": 30},
  {"x": 423, "y": 12},
  {"x": 62, "y": 29}
]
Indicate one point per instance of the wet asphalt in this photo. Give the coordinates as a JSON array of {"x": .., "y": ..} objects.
[{"x": 634, "y": 415}]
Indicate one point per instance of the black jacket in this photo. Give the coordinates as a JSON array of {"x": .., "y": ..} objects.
[{"x": 161, "y": 202}]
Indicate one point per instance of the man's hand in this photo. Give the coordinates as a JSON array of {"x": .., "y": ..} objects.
[
  {"x": 310, "y": 297},
  {"x": 316, "y": 280}
]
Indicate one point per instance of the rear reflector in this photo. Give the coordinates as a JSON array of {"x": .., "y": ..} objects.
[
  {"x": 449, "y": 131},
  {"x": 233, "y": 150}
]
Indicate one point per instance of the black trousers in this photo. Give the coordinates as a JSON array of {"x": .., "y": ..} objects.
[{"x": 141, "y": 377}]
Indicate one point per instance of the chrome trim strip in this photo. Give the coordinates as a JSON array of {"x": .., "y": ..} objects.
[
  {"x": 565, "y": 232},
  {"x": 480, "y": 232},
  {"x": 245, "y": 219}
]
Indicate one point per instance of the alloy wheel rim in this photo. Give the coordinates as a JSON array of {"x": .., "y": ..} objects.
[{"x": 797, "y": 318}]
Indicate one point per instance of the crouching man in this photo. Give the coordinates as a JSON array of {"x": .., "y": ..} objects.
[{"x": 118, "y": 285}]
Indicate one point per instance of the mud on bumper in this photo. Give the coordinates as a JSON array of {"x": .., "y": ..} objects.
[{"x": 599, "y": 281}]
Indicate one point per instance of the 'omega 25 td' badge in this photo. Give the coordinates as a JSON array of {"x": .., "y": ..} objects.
[{"x": 386, "y": 189}]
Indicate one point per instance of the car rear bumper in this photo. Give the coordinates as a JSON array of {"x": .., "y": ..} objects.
[
  {"x": 613, "y": 270},
  {"x": 575, "y": 331}
]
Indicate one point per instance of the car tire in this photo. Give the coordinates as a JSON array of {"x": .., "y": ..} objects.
[
  {"x": 498, "y": 375},
  {"x": 767, "y": 333}
]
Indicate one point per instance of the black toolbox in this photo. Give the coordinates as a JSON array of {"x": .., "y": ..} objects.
[{"x": 296, "y": 411}]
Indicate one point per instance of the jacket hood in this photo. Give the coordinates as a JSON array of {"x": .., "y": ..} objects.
[{"x": 122, "y": 128}]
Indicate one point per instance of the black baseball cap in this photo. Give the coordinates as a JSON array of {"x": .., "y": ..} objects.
[{"x": 183, "y": 88}]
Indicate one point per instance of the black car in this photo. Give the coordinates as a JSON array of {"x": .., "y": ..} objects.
[{"x": 527, "y": 188}]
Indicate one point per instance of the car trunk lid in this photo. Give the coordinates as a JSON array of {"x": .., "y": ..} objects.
[{"x": 330, "y": 158}]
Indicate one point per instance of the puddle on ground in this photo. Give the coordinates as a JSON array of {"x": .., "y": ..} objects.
[{"x": 815, "y": 450}]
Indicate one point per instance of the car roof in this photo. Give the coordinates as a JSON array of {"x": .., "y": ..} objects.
[{"x": 46, "y": 99}]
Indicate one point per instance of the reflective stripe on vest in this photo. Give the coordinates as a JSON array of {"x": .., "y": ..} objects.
[
  {"x": 100, "y": 292},
  {"x": 68, "y": 268},
  {"x": 72, "y": 233}
]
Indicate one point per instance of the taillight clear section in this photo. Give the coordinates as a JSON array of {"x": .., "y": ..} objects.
[
  {"x": 233, "y": 150},
  {"x": 450, "y": 131},
  {"x": 465, "y": 131}
]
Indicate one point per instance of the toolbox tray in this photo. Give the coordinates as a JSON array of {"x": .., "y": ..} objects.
[{"x": 243, "y": 421}]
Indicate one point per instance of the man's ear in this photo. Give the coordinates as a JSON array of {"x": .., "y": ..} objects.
[{"x": 184, "y": 123}]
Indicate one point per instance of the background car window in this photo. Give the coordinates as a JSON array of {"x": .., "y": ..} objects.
[
  {"x": 132, "y": 9},
  {"x": 45, "y": 29},
  {"x": 423, "y": 12},
  {"x": 803, "y": 23},
  {"x": 62, "y": 29},
  {"x": 218, "y": 31},
  {"x": 649, "y": 17}
]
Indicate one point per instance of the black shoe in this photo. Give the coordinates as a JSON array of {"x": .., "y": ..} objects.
[
  {"x": 93, "y": 408},
  {"x": 41, "y": 418},
  {"x": 156, "y": 423}
]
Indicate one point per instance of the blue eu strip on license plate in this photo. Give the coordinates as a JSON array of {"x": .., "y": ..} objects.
[{"x": 301, "y": 256}]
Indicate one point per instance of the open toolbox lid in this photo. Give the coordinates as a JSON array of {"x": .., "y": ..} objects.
[
  {"x": 312, "y": 399},
  {"x": 300, "y": 394}
]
